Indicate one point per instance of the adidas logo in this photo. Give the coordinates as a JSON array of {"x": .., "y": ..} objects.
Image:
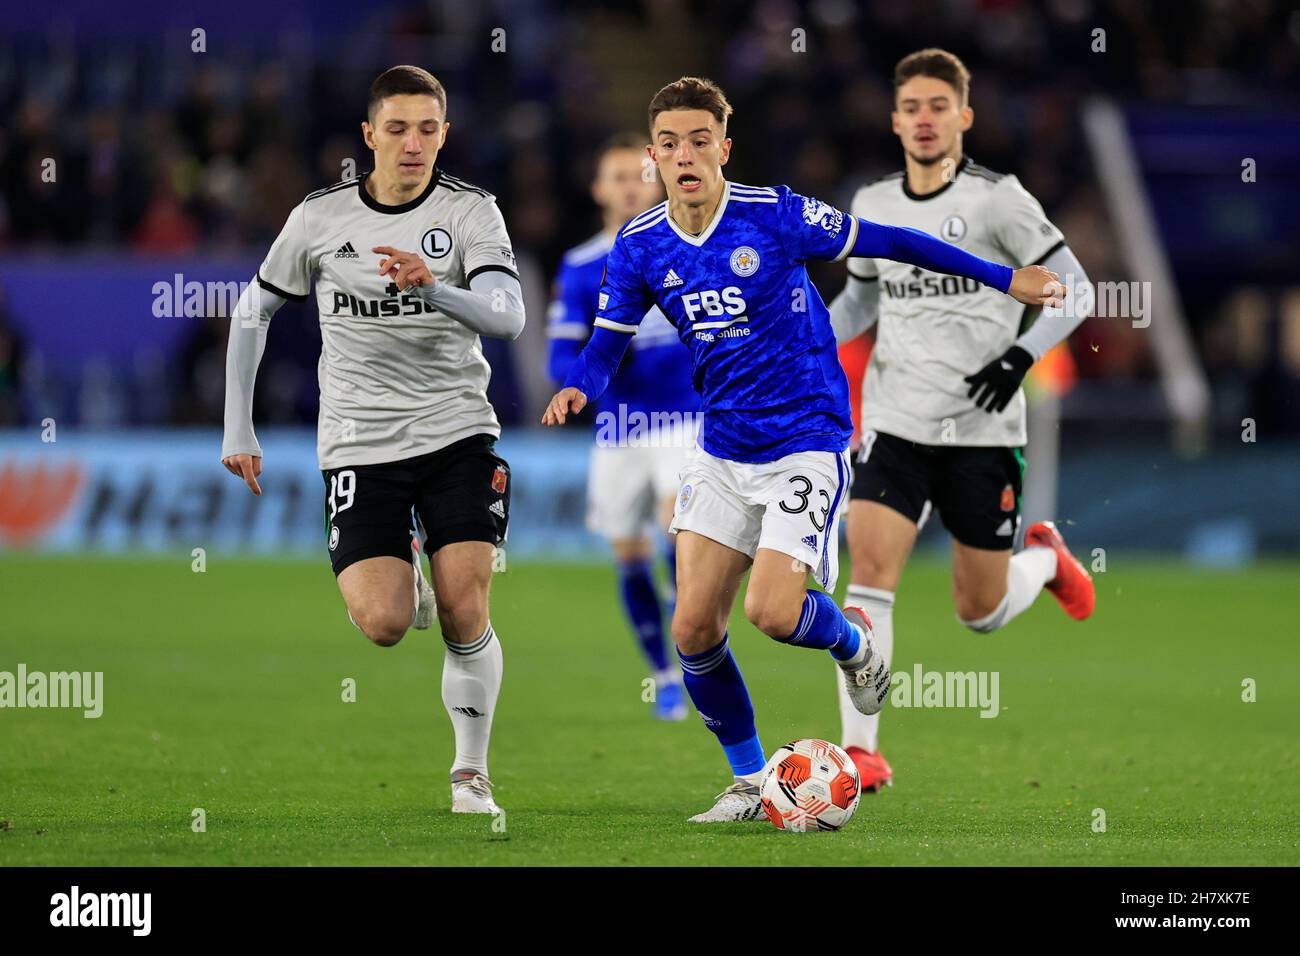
[
  {"x": 672, "y": 280},
  {"x": 810, "y": 541},
  {"x": 497, "y": 508},
  {"x": 467, "y": 711},
  {"x": 346, "y": 252},
  {"x": 1005, "y": 528}
]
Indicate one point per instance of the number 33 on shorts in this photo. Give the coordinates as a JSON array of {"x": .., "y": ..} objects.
[
  {"x": 806, "y": 517},
  {"x": 791, "y": 505}
]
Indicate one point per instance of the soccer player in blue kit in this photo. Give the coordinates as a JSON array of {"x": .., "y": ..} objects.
[
  {"x": 767, "y": 482},
  {"x": 645, "y": 425}
]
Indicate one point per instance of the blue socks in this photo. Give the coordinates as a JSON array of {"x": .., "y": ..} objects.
[
  {"x": 637, "y": 586},
  {"x": 823, "y": 625},
  {"x": 713, "y": 680}
]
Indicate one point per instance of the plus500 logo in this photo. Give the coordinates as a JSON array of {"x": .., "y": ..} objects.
[{"x": 711, "y": 302}]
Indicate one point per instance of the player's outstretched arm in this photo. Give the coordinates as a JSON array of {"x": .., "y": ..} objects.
[
  {"x": 590, "y": 375},
  {"x": 240, "y": 453},
  {"x": 1032, "y": 285}
]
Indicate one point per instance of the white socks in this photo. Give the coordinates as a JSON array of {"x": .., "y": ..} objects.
[
  {"x": 1028, "y": 572},
  {"x": 860, "y": 730},
  {"x": 471, "y": 680}
]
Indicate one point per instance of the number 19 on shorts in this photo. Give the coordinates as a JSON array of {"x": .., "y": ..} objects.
[{"x": 343, "y": 490}]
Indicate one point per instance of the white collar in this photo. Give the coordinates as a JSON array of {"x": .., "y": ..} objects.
[{"x": 703, "y": 237}]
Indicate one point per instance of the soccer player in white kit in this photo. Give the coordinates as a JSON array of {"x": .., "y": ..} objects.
[
  {"x": 943, "y": 417},
  {"x": 411, "y": 265}
]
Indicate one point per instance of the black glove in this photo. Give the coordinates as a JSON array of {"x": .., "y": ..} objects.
[{"x": 993, "y": 386}]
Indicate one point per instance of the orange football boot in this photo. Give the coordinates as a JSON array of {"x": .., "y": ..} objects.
[
  {"x": 1072, "y": 586},
  {"x": 874, "y": 771}
]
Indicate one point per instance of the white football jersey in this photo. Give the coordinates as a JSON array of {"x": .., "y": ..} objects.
[
  {"x": 933, "y": 329},
  {"x": 397, "y": 377}
]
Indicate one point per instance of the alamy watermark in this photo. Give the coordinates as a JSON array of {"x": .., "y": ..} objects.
[
  {"x": 1108, "y": 300},
  {"x": 621, "y": 428},
  {"x": 1123, "y": 300},
  {"x": 76, "y": 690},
  {"x": 922, "y": 688},
  {"x": 130, "y": 910},
  {"x": 179, "y": 299}
]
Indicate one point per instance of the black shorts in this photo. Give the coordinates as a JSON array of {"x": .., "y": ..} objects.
[
  {"x": 976, "y": 490},
  {"x": 459, "y": 493}
]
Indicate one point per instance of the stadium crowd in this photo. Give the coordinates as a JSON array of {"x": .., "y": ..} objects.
[{"x": 161, "y": 155}]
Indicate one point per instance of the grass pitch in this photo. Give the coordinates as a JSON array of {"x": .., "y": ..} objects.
[{"x": 223, "y": 691}]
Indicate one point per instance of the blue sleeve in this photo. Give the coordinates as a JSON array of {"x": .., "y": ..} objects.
[
  {"x": 623, "y": 299},
  {"x": 902, "y": 244},
  {"x": 595, "y": 367},
  {"x": 812, "y": 229},
  {"x": 568, "y": 321}
]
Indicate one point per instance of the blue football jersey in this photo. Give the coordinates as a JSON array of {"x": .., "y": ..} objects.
[
  {"x": 762, "y": 349},
  {"x": 655, "y": 375}
]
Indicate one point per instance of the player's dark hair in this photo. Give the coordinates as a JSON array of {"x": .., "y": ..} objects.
[
  {"x": 936, "y": 63},
  {"x": 691, "y": 93},
  {"x": 405, "y": 81}
]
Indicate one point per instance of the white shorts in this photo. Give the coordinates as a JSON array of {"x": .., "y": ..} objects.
[
  {"x": 791, "y": 505},
  {"x": 625, "y": 485}
]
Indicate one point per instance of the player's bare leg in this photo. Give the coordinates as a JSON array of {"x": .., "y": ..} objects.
[
  {"x": 990, "y": 588},
  {"x": 979, "y": 582},
  {"x": 379, "y": 597},
  {"x": 471, "y": 673},
  {"x": 709, "y": 575},
  {"x": 779, "y": 603},
  {"x": 775, "y": 595},
  {"x": 880, "y": 542}
]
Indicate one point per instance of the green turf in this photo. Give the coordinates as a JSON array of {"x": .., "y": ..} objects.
[{"x": 223, "y": 691}]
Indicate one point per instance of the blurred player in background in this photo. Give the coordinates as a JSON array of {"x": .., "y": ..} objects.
[
  {"x": 943, "y": 415},
  {"x": 632, "y": 481},
  {"x": 768, "y": 479},
  {"x": 411, "y": 266}
]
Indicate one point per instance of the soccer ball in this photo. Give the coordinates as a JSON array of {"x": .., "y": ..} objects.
[{"x": 809, "y": 785}]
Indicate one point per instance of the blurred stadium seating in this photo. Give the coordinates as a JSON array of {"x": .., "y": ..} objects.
[{"x": 173, "y": 165}]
